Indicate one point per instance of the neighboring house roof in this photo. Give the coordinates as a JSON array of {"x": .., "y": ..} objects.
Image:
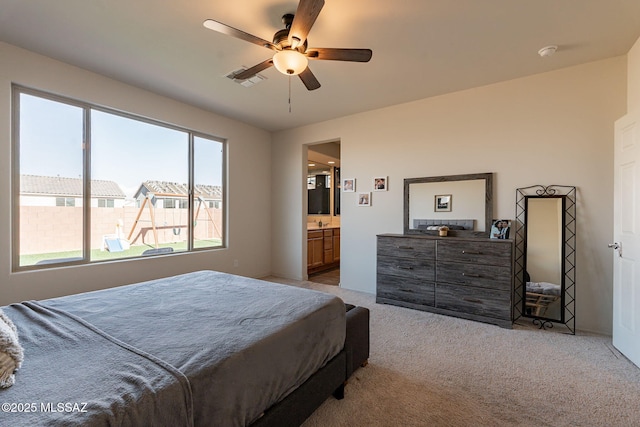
[
  {"x": 173, "y": 189},
  {"x": 72, "y": 187}
]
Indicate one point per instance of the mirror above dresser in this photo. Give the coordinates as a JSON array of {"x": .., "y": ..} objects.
[{"x": 462, "y": 203}]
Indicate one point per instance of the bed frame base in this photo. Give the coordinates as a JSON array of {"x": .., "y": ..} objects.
[{"x": 294, "y": 409}]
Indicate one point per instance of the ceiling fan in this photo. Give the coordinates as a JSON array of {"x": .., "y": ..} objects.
[{"x": 290, "y": 45}]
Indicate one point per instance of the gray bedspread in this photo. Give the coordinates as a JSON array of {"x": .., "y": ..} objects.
[
  {"x": 74, "y": 375},
  {"x": 203, "y": 348}
]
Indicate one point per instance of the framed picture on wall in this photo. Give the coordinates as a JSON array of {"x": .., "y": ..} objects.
[
  {"x": 380, "y": 183},
  {"x": 442, "y": 203},
  {"x": 364, "y": 199},
  {"x": 500, "y": 228},
  {"x": 349, "y": 185}
]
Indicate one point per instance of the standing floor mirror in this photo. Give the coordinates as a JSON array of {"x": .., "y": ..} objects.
[{"x": 545, "y": 265}]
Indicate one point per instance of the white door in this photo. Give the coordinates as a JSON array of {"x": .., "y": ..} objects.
[{"x": 626, "y": 229}]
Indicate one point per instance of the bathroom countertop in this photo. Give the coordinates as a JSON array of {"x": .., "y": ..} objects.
[{"x": 313, "y": 226}]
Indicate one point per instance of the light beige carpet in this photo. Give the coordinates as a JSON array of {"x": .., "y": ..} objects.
[{"x": 432, "y": 370}]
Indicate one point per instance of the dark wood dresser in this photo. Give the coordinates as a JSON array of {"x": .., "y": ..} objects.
[{"x": 470, "y": 278}]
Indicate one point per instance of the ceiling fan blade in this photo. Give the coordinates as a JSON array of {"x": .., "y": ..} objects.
[
  {"x": 247, "y": 74},
  {"x": 234, "y": 32},
  {"x": 305, "y": 16},
  {"x": 333, "y": 54},
  {"x": 309, "y": 79}
]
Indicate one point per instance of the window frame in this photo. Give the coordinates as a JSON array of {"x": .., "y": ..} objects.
[{"x": 16, "y": 91}]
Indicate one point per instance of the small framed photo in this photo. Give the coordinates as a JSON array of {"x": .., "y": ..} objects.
[
  {"x": 442, "y": 203},
  {"x": 500, "y": 228},
  {"x": 364, "y": 199},
  {"x": 349, "y": 185},
  {"x": 380, "y": 183}
]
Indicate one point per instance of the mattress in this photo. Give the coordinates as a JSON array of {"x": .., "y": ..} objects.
[{"x": 204, "y": 348}]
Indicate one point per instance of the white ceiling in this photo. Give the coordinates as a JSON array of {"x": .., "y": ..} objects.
[{"x": 421, "y": 48}]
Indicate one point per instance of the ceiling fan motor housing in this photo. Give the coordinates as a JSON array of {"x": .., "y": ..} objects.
[
  {"x": 281, "y": 37},
  {"x": 287, "y": 20}
]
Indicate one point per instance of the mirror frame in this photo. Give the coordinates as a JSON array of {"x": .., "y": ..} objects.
[
  {"x": 568, "y": 253},
  {"x": 488, "y": 203}
]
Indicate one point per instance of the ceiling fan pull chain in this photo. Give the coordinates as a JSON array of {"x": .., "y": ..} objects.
[{"x": 289, "y": 94}]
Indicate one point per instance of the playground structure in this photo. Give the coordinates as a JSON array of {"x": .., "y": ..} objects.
[{"x": 148, "y": 202}]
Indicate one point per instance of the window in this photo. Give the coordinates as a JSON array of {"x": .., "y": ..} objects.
[
  {"x": 140, "y": 168},
  {"x": 65, "y": 201},
  {"x": 106, "y": 203}
]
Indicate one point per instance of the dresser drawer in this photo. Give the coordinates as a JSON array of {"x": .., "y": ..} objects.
[
  {"x": 485, "y": 276},
  {"x": 406, "y": 247},
  {"x": 407, "y": 267},
  {"x": 400, "y": 289},
  {"x": 473, "y": 300},
  {"x": 481, "y": 252}
]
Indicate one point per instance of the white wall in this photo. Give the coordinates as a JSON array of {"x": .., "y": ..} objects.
[
  {"x": 633, "y": 77},
  {"x": 249, "y": 215},
  {"x": 551, "y": 128}
]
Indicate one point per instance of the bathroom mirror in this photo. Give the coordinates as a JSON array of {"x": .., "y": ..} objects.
[
  {"x": 323, "y": 179},
  {"x": 319, "y": 181},
  {"x": 545, "y": 255},
  {"x": 462, "y": 202}
]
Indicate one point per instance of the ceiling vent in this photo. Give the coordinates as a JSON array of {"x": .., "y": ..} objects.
[{"x": 248, "y": 82}]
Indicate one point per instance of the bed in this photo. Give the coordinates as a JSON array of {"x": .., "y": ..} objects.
[
  {"x": 203, "y": 348},
  {"x": 540, "y": 295},
  {"x": 452, "y": 224}
]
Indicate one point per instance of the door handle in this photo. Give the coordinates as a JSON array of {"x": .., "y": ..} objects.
[{"x": 616, "y": 247}]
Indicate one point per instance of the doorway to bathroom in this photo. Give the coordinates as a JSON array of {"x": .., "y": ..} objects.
[{"x": 323, "y": 213}]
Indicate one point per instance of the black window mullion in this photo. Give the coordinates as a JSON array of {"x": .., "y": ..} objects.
[
  {"x": 86, "y": 191},
  {"x": 190, "y": 195},
  {"x": 15, "y": 175}
]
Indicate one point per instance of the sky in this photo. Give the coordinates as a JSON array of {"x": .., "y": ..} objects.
[{"x": 123, "y": 150}]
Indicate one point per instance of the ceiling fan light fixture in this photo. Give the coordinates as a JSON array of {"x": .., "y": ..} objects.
[{"x": 290, "y": 62}]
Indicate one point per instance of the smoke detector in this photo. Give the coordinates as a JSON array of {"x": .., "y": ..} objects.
[{"x": 547, "y": 51}]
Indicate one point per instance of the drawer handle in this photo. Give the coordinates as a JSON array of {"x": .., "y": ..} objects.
[
  {"x": 403, "y": 267},
  {"x": 406, "y": 290},
  {"x": 405, "y": 247},
  {"x": 471, "y": 275},
  {"x": 473, "y": 300},
  {"x": 471, "y": 253}
]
